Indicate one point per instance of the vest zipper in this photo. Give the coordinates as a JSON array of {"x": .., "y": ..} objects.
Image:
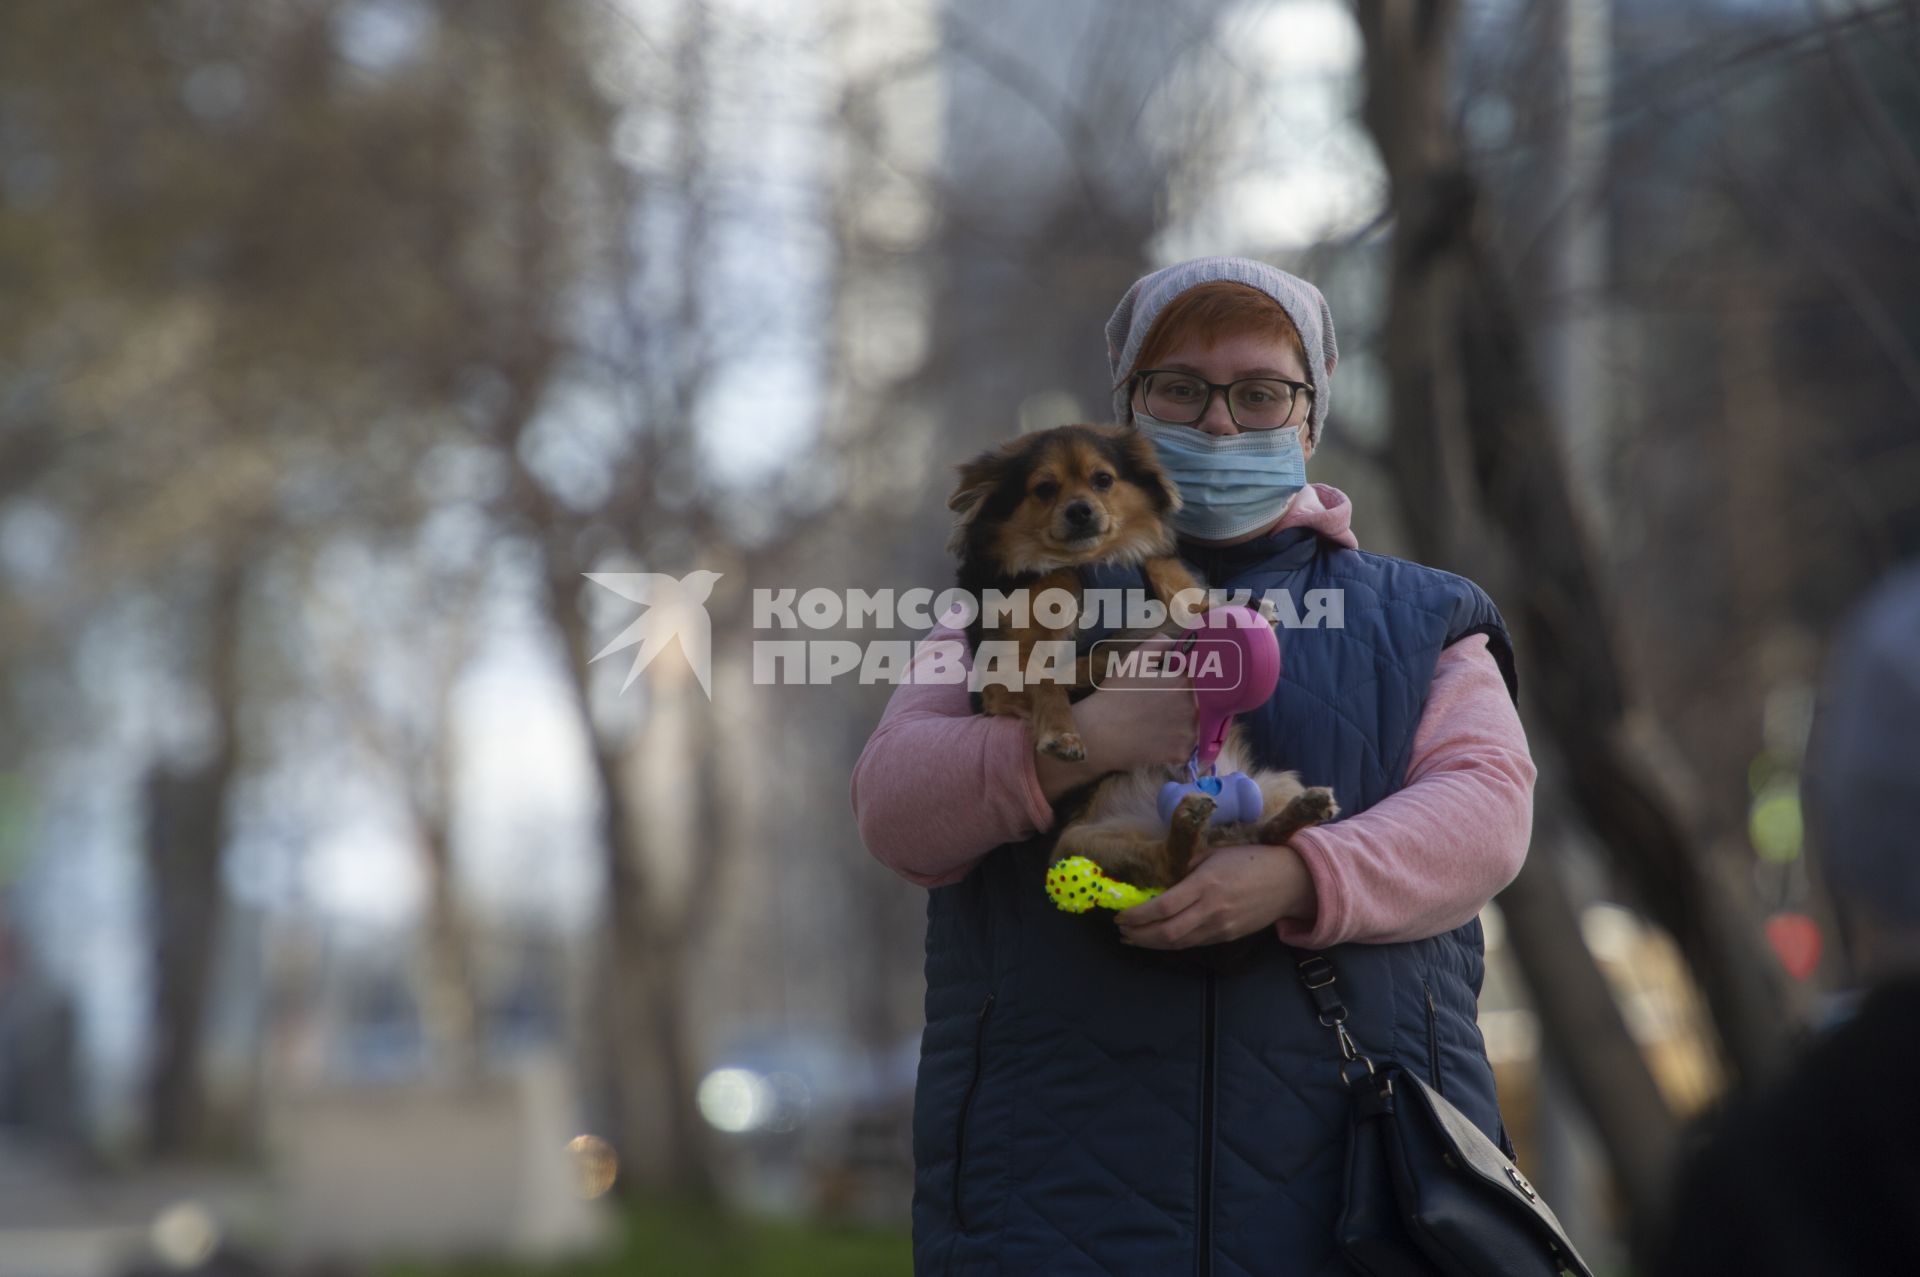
[
  {"x": 1203, "y": 1259},
  {"x": 966, "y": 1107},
  {"x": 1433, "y": 1037}
]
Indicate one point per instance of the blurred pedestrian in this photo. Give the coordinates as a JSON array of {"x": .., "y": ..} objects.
[{"x": 1820, "y": 1172}]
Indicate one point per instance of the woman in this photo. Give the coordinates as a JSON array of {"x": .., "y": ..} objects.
[{"x": 1158, "y": 1096}]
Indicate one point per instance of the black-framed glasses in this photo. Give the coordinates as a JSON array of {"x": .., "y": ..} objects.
[{"x": 1254, "y": 403}]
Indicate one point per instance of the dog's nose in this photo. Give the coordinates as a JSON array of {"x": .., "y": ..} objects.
[{"x": 1079, "y": 512}]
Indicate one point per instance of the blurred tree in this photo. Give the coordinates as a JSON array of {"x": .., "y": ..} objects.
[
  {"x": 186, "y": 831},
  {"x": 393, "y": 677},
  {"x": 264, "y": 247}
]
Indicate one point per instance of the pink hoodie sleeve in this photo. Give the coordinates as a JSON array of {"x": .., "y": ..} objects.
[
  {"x": 1429, "y": 856},
  {"x": 938, "y": 786}
]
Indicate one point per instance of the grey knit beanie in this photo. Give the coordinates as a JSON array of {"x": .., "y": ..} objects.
[
  {"x": 1133, "y": 319},
  {"x": 1862, "y": 779}
]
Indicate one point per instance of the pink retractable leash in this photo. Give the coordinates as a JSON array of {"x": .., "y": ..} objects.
[{"x": 1235, "y": 657}]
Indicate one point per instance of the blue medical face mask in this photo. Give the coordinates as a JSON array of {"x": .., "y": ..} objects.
[{"x": 1229, "y": 484}]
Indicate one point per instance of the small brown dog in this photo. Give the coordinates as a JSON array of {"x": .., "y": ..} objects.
[{"x": 1030, "y": 515}]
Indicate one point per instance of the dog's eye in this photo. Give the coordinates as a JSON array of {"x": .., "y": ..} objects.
[
  {"x": 1045, "y": 491},
  {"x": 1103, "y": 481}
]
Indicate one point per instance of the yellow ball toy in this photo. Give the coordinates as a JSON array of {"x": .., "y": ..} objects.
[{"x": 1077, "y": 885}]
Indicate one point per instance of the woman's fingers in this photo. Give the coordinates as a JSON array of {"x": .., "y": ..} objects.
[
  {"x": 1224, "y": 898},
  {"x": 1166, "y": 921}
]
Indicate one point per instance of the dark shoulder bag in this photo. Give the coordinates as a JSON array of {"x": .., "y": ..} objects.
[{"x": 1426, "y": 1190}]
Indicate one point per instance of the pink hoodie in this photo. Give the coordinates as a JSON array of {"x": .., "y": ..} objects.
[{"x": 937, "y": 787}]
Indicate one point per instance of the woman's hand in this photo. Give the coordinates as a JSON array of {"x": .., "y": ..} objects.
[
  {"x": 1228, "y": 893},
  {"x": 1132, "y": 721}
]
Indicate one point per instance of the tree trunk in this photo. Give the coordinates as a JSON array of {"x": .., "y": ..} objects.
[
  {"x": 1581, "y": 1025},
  {"x": 651, "y": 1070},
  {"x": 186, "y": 828},
  {"x": 1471, "y": 431},
  {"x": 450, "y": 1005}
]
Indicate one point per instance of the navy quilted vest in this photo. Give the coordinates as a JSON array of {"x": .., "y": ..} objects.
[{"x": 1084, "y": 1107}]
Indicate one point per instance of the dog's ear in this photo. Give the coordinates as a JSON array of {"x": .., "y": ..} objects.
[
  {"x": 1142, "y": 466},
  {"x": 978, "y": 478}
]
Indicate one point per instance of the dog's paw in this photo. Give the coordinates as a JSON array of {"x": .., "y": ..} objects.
[
  {"x": 1193, "y": 813},
  {"x": 1065, "y": 746},
  {"x": 1316, "y": 805},
  {"x": 1268, "y": 610}
]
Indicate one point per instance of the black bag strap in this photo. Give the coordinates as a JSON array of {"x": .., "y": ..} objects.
[{"x": 1316, "y": 976}]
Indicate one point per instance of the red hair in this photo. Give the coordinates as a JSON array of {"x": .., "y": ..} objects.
[{"x": 1209, "y": 312}]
